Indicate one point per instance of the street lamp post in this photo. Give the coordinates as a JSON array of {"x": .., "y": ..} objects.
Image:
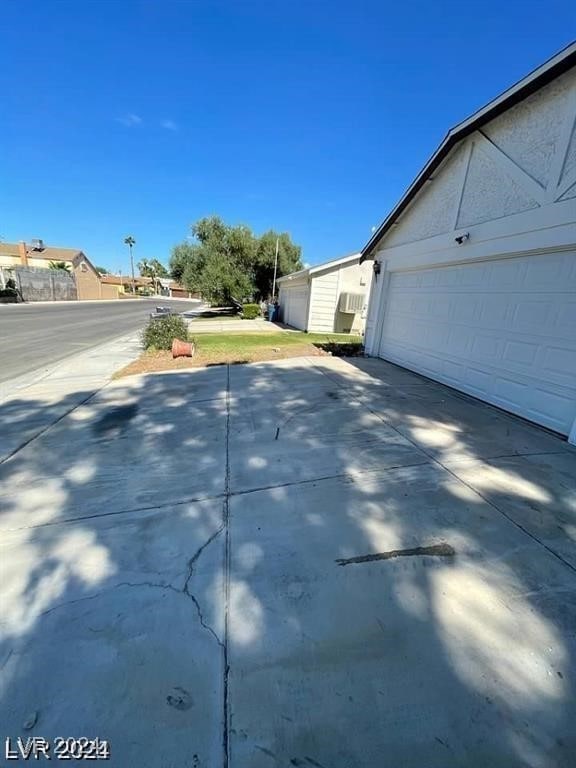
[{"x": 130, "y": 242}]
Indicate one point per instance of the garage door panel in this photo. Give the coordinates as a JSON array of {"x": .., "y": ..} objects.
[
  {"x": 295, "y": 305},
  {"x": 507, "y": 274},
  {"x": 566, "y": 319},
  {"x": 504, "y": 331}
]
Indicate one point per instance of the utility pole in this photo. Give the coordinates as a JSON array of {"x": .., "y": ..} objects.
[
  {"x": 275, "y": 269},
  {"x": 129, "y": 241}
]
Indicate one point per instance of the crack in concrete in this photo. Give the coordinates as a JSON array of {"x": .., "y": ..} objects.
[
  {"x": 197, "y": 554},
  {"x": 150, "y": 585},
  {"x": 186, "y": 590},
  {"x": 7, "y": 659}
]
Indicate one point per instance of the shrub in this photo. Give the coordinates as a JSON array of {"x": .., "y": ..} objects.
[
  {"x": 251, "y": 311},
  {"x": 8, "y": 293},
  {"x": 161, "y": 332}
]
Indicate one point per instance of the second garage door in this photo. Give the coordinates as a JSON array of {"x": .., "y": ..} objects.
[
  {"x": 295, "y": 307},
  {"x": 502, "y": 330}
]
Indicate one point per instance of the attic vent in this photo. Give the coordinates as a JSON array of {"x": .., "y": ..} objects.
[
  {"x": 37, "y": 245},
  {"x": 352, "y": 303}
]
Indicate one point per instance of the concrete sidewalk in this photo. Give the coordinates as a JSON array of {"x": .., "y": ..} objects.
[
  {"x": 259, "y": 325},
  {"x": 31, "y": 403},
  {"x": 311, "y": 562}
]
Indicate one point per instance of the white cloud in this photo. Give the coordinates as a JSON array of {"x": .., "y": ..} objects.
[
  {"x": 169, "y": 125},
  {"x": 129, "y": 120}
]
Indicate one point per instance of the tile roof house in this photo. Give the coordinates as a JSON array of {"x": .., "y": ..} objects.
[{"x": 89, "y": 284}]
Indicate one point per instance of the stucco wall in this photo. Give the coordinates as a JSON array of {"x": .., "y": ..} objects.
[
  {"x": 108, "y": 291},
  {"x": 87, "y": 280}
]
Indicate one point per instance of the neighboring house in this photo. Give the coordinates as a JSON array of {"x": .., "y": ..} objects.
[
  {"x": 161, "y": 286},
  {"x": 123, "y": 283},
  {"x": 175, "y": 290},
  {"x": 37, "y": 255},
  {"x": 476, "y": 283},
  {"x": 330, "y": 297}
]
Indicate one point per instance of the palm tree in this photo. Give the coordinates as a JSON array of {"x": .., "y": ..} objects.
[
  {"x": 129, "y": 241},
  {"x": 144, "y": 268},
  {"x": 63, "y": 265}
]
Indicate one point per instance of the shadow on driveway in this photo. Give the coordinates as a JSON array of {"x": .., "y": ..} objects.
[{"x": 171, "y": 579}]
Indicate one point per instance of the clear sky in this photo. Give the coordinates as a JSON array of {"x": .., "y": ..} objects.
[{"x": 137, "y": 117}]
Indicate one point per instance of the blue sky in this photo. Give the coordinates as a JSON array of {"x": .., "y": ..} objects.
[{"x": 138, "y": 117}]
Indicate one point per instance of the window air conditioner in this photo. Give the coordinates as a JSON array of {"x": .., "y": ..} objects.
[{"x": 352, "y": 303}]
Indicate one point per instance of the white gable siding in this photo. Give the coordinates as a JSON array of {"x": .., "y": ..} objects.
[
  {"x": 523, "y": 160},
  {"x": 323, "y": 302}
]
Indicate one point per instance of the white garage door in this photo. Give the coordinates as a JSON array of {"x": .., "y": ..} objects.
[
  {"x": 503, "y": 331},
  {"x": 295, "y": 307}
]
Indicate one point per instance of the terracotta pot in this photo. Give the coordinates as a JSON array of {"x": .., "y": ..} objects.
[{"x": 182, "y": 348}]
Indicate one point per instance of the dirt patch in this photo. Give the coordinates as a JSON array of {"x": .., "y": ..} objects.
[{"x": 156, "y": 361}]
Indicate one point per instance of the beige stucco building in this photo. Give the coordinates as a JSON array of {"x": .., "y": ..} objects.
[{"x": 88, "y": 281}]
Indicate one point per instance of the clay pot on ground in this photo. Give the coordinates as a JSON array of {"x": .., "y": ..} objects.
[{"x": 182, "y": 348}]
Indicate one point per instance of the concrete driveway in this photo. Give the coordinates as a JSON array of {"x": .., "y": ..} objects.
[{"x": 310, "y": 563}]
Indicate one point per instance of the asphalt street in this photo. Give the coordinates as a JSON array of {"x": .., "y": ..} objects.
[{"x": 34, "y": 336}]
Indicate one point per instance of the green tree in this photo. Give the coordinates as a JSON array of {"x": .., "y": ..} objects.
[
  {"x": 102, "y": 271},
  {"x": 62, "y": 265},
  {"x": 289, "y": 260},
  {"x": 224, "y": 262},
  {"x": 152, "y": 268},
  {"x": 221, "y": 280},
  {"x": 159, "y": 268}
]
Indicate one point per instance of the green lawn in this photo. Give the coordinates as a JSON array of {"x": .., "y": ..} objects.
[
  {"x": 241, "y": 343},
  {"x": 234, "y": 348}
]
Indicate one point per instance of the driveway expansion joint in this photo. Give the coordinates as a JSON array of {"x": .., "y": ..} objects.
[
  {"x": 226, "y": 525},
  {"x": 45, "y": 429}
]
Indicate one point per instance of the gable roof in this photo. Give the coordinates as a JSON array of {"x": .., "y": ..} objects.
[
  {"x": 544, "y": 74},
  {"x": 342, "y": 261},
  {"x": 47, "y": 252}
]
